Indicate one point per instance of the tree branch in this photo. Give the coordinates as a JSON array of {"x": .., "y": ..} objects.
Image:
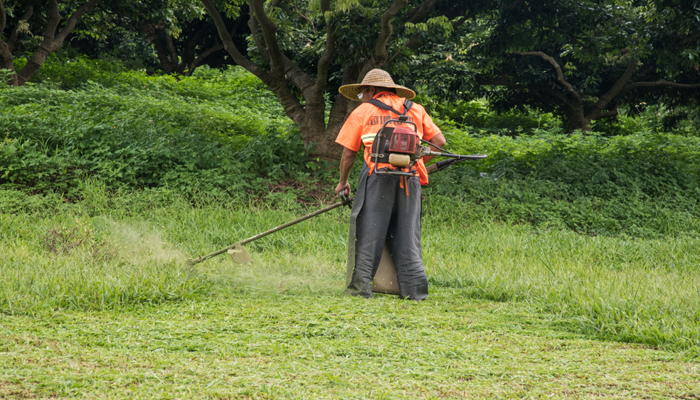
[
  {"x": 269, "y": 30},
  {"x": 513, "y": 4},
  {"x": 614, "y": 91},
  {"x": 15, "y": 31},
  {"x": 253, "y": 25},
  {"x": 282, "y": 68},
  {"x": 3, "y": 17},
  {"x": 423, "y": 11},
  {"x": 503, "y": 82},
  {"x": 54, "y": 20},
  {"x": 6, "y": 60},
  {"x": 192, "y": 45},
  {"x": 649, "y": 69},
  {"x": 381, "y": 51},
  {"x": 275, "y": 81},
  {"x": 229, "y": 46},
  {"x": 171, "y": 48},
  {"x": 313, "y": 27},
  {"x": 560, "y": 74},
  {"x": 195, "y": 63},
  {"x": 73, "y": 20},
  {"x": 607, "y": 114},
  {"x": 325, "y": 60},
  {"x": 166, "y": 62},
  {"x": 53, "y": 41},
  {"x": 661, "y": 82}
]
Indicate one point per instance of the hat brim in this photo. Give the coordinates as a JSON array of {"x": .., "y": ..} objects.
[{"x": 351, "y": 91}]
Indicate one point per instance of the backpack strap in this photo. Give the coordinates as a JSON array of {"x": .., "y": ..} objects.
[{"x": 406, "y": 106}]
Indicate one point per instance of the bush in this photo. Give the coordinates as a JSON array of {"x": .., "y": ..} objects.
[
  {"x": 222, "y": 133},
  {"x": 146, "y": 132},
  {"x": 643, "y": 185},
  {"x": 477, "y": 116}
]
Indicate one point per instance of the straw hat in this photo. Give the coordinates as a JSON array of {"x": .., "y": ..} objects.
[{"x": 378, "y": 78}]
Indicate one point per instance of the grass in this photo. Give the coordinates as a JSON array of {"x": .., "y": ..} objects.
[
  {"x": 514, "y": 311},
  {"x": 263, "y": 341},
  {"x": 117, "y": 264}
]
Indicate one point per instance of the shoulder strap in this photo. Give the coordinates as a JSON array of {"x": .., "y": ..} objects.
[{"x": 406, "y": 105}]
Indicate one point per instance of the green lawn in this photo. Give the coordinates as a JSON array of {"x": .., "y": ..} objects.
[
  {"x": 514, "y": 312},
  {"x": 274, "y": 339}
]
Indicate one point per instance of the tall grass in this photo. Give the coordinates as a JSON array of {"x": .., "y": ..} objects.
[
  {"x": 104, "y": 264},
  {"x": 623, "y": 289},
  {"x": 618, "y": 288}
]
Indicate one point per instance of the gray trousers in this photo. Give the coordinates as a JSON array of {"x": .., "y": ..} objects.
[{"x": 383, "y": 212}]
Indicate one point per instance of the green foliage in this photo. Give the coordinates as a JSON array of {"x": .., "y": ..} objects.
[
  {"x": 655, "y": 118},
  {"x": 71, "y": 72},
  {"x": 594, "y": 43},
  {"x": 643, "y": 185},
  {"x": 222, "y": 133},
  {"x": 133, "y": 131},
  {"x": 477, "y": 116}
]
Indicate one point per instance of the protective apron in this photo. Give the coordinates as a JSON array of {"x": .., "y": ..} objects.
[{"x": 386, "y": 212}]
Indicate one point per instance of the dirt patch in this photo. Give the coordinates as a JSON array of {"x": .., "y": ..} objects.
[{"x": 307, "y": 193}]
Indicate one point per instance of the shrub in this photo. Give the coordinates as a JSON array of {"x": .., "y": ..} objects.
[{"x": 644, "y": 185}]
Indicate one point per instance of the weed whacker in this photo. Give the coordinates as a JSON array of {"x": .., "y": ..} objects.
[
  {"x": 405, "y": 151},
  {"x": 239, "y": 253}
]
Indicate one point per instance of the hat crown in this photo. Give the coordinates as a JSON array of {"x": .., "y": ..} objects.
[{"x": 377, "y": 77}]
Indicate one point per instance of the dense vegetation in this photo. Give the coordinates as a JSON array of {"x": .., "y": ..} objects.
[
  {"x": 125, "y": 175},
  {"x": 222, "y": 133}
]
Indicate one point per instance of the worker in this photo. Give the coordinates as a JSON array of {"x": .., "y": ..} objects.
[{"x": 386, "y": 208}]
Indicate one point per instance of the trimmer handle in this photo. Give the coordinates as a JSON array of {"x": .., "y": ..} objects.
[{"x": 344, "y": 199}]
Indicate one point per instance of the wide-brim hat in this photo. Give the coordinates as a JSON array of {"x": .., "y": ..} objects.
[{"x": 378, "y": 78}]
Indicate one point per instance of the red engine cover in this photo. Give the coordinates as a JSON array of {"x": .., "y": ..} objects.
[{"x": 403, "y": 140}]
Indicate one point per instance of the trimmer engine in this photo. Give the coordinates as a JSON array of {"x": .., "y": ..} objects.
[{"x": 400, "y": 147}]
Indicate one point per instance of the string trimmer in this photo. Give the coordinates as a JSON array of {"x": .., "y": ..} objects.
[{"x": 240, "y": 254}]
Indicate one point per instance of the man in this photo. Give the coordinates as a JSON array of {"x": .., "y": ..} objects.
[{"x": 386, "y": 208}]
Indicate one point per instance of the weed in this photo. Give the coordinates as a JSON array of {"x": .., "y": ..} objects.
[{"x": 63, "y": 240}]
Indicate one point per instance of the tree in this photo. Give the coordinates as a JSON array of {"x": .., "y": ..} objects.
[
  {"x": 586, "y": 58},
  {"x": 180, "y": 34},
  {"x": 303, "y": 51},
  {"x": 56, "y": 21}
]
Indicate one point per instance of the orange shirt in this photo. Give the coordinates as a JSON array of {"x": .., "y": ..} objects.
[{"x": 367, "y": 119}]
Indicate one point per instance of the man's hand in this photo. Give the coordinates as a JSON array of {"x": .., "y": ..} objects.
[
  {"x": 346, "y": 163},
  {"x": 343, "y": 187},
  {"x": 438, "y": 140}
]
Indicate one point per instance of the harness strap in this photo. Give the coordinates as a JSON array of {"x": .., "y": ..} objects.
[{"x": 406, "y": 105}]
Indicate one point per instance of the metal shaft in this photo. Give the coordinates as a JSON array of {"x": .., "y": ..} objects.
[{"x": 193, "y": 261}]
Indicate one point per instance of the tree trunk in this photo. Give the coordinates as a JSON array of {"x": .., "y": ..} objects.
[
  {"x": 577, "y": 118},
  {"x": 53, "y": 39},
  {"x": 7, "y": 62},
  {"x": 169, "y": 61},
  {"x": 283, "y": 72},
  {"x": 322, "y": 139}
]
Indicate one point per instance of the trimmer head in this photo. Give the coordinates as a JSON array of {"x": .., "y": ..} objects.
[{"x": 240, "y": 254}]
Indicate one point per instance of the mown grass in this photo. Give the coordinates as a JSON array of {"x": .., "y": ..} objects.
[
  {"x": 614, "y": 288},
  {"x": 271, "y": 340}
]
